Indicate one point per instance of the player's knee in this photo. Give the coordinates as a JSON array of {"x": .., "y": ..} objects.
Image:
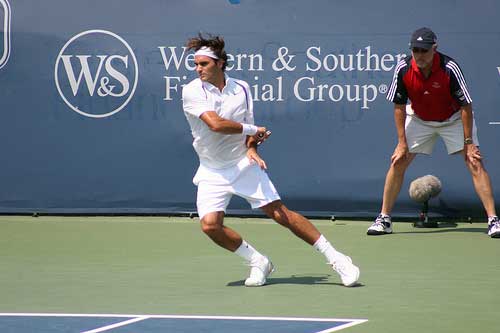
[
  {"x": 281, "y": 214},
  {"x": 281, "y": 217},
  {"x": 210, "y": 227}
]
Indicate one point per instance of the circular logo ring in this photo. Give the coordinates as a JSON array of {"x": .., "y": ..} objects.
[{"x": 136, "y": 67}]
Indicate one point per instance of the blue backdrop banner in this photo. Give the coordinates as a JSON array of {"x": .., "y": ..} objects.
[{"x": 91, "y": 110}]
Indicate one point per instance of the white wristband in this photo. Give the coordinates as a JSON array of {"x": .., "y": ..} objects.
[{"x": 249, "y": 129}]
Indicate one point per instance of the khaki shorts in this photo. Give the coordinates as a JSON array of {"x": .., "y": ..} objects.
[
  {"x": 246, "y": 179},
  {"x": 421, "y": 135}
]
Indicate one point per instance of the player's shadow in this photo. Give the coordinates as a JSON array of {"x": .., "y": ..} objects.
[{"x": 296, "y": 279}]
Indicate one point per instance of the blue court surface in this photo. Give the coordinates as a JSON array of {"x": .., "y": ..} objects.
[{"x": 94, "y": 323}]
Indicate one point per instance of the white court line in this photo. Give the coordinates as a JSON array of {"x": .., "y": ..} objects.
[
  {"x": 494, "y": 122},
  {"x": 353, "y": 322},
  {"x": 99, "y": 315},
  {"x": 122, "y": 323}
]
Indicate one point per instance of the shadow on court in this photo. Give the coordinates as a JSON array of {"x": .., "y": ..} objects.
[
  {"x": 443, "y": 230},
  {"x": 296, "y": 279}
]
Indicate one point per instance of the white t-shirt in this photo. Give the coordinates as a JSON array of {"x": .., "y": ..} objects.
[{"x": 215, "y": 150}]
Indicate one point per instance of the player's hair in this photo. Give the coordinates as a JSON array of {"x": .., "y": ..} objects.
[{"x": 216, "y": 43}]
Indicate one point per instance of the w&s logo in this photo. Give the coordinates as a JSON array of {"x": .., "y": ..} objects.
[
  {"x": 96, "y": 73},
  {"x": 5, "y": 24}
]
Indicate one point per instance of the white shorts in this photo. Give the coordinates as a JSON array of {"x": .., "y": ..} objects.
[
  {"x": 422, "y": 135},
  {"x": 246, "y": 180}
]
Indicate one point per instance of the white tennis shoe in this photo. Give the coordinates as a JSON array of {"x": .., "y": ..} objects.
[
  {"x": 494, "y": 228},
  {"x": 381, "y": 226},
  {"x": 349, "y": 273},
  {"x": 260, "y": 269}
]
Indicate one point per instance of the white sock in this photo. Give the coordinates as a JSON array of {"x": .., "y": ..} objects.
[
  {"x": 492, "y": 218},
  {"x": 247, "y": 252},
  {"x": 323, "y": 245}
]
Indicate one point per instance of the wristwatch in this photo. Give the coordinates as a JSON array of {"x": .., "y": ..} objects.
[{"x": 468, "y": 141}]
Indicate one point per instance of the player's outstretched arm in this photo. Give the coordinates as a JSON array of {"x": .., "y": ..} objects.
[{"x": 226, "y": 126}]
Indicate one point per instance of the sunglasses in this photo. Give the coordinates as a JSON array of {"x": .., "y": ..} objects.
[{"x": 419, "y": 50}]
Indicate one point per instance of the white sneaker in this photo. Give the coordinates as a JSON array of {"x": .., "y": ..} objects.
[
  {"x": 261, "y": 268},
  {"x": 381, "y": 226},
  {"x": 494, "y": 228},
  {"x": 349, "y": 273}
]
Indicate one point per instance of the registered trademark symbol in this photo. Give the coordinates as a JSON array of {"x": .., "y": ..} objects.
[{"x": 382, "y": 88}]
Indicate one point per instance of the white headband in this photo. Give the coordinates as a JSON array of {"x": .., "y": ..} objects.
[{"x": 206, "y": 51}]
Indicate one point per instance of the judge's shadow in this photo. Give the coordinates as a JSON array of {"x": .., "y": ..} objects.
[
  {"x": 296, "y": 279},
  {"x": 444, "y": 229}
]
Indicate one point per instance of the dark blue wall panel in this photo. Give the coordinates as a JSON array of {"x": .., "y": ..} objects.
[{"x": 109, "y": 148}]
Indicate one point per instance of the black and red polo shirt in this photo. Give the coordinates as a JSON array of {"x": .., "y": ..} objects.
[{"x": 435, "y": 98}]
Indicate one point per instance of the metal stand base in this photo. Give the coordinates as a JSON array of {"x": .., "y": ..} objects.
[
  {"x": 426, "y": 224},
  {"x": 424, "y": 221}
]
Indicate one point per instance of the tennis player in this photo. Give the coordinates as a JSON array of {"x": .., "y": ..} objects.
[
  {"x": 219, "y": 110},
  {"x": 440, "y": 106}
]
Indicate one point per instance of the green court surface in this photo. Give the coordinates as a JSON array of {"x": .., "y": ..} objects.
[{"x": 416, "y": 280}]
